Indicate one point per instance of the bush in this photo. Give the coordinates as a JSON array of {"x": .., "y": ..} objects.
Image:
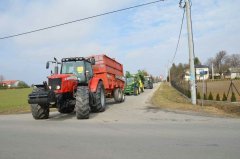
[
  {"x": 224, "y": 98},
  {"x": 210, "y": 97},
  {"x": 3, "y": 87},
  {"x": 198, "y": 95},
  {"x": 205, "y": 96},
  {"x": 22, "y": 84},
  {"x": 233, "y": 98},
  {"x": 218, "y": 97}
]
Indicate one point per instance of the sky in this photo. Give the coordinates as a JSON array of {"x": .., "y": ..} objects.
[{"x": 141, "y": 38}]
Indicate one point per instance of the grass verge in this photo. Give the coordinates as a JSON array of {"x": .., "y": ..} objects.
[
  {"x": 14, "y": 101},
  {"x": 168, "y": 98}
]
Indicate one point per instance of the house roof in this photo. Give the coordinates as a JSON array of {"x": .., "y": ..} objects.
[{"x": 9, "y": 82}]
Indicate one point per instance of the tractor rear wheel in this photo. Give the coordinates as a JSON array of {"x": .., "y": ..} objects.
[
  {"x": 40, "y": 111},
  {"x": 82, "y": 103},
  {"x": 100, "y": 99}
]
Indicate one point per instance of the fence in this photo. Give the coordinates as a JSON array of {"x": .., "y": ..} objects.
[{"x": 214, "y": 87}]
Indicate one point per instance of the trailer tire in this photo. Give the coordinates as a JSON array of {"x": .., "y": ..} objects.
[
  {"x": 100, "y": 99},
  {"x": 40, "y": 111},
  {"x": 117, "y": 94},
  {"x": 123, "y": 97},
  {"x": 82, "y": 102}
]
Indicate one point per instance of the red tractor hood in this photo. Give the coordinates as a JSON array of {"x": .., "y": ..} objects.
[{"x": 62, "y": 76}]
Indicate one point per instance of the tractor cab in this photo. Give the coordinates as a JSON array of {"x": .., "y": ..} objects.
[
  {"x": 80, "y": 67},
  {"x": 74, "y": 71}
]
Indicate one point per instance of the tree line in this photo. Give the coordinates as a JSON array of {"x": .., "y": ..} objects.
[{"x": 221, "y": 62}]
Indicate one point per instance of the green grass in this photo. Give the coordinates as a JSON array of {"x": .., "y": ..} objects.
[{"x": 14, "y": 101}]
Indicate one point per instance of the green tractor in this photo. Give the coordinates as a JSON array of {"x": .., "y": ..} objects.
[
  {"x": 131, "y": 86},
  {"x": 148, "y": 82}
]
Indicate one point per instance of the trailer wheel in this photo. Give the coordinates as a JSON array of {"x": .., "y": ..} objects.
[
  {"x": 100, "y": 99},
  {"x": 123, "y": 97},
  {"x": 82, "y": 103},
  {"x": 40, "y": 111},
  {"x": 117, "y": 95}
]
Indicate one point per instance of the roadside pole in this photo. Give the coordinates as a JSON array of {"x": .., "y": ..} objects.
[{"x": 191, "y": 53}]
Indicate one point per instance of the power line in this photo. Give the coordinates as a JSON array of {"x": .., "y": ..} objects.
[
  {"x": 179, "y": 36},
  {"x": 82, "y": 19}
]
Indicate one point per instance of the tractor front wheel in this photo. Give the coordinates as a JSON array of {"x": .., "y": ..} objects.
[
  {"x": 40, "y": 111},
  {"x": 82, "y": 103}
]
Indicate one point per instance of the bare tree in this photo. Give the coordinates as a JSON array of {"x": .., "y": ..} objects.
[
  {"x": 1, "y": 78},
  {"x": 219, "y": 62},
  {"x": 233, "y": 60}
]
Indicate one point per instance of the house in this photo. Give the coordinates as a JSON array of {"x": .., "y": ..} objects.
[
  {"x": 234, "y": 72},
  {"x": 10, "y": 83},
  {"x": 201, "y": 73}
]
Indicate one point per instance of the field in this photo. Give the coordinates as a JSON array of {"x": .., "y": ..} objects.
[
  {"x": 219, "y": 87},
  {"x": 14, "y": 101}
]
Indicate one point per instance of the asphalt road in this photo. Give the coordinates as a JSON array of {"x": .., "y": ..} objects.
[{"x": 124, "y": 131}]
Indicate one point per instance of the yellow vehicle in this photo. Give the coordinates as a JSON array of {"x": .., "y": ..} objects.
[{"x": 141, "y": 86}]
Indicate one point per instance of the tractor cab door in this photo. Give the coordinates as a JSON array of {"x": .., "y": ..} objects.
[{"x": 88, "y": 71}]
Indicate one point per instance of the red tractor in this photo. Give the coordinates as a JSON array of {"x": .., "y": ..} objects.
[{"x": 82, "y": 85}]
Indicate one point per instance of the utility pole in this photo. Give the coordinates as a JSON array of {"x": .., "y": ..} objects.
[
  {"x": 191, "y": 52},
  {"x": 212, "y": 72}
]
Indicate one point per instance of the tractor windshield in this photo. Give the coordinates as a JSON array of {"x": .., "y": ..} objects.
[
  {"x": 130, "y": 80},
  {"x": 74, "y": 67}
]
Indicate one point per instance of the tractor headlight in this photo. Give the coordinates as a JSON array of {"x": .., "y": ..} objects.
[{"x": 58, "y": 87}]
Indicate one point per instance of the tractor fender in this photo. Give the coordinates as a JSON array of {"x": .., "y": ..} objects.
[{"x": 93, "y": 84}]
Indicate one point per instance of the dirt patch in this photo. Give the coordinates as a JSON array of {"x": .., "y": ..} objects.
[{"x": 168, "y": 98}]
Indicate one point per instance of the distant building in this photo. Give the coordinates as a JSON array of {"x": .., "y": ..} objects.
[
  {"x": 10, "y": 83},
  {"x": 201, "y": 72},
  {"x": 233, "y": 73}
]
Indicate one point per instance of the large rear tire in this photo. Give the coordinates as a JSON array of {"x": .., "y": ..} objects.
[
  {"x": 82, "y": 103},
  {"x": 40, "y": 111},
  {"x": 100, "y": 105}
]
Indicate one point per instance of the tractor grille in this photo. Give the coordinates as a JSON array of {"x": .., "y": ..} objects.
[{"x": 54, "y": 83}]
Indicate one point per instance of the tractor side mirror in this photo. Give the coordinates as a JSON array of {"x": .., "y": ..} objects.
[{"x": 47, "y": 65}]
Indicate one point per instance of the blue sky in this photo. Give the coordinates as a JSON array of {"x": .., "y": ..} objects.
[{"x": 142, "y": 38}]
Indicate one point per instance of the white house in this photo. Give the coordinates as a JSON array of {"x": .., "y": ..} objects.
[
  {"x": 201, "y": 72},
  {"x": 234, "y": 73}
]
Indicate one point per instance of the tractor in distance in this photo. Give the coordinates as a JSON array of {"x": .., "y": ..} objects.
[
  {"x": 82, "y": 85},
  {"x": 148, "y": 82}
]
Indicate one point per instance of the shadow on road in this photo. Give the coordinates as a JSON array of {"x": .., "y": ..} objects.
[{"x": 56, "y": 116}]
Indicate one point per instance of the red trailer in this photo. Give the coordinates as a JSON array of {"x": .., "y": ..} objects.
[
  {"x": 111, "y": 72},
  {"x": 82, "y": 85}
]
